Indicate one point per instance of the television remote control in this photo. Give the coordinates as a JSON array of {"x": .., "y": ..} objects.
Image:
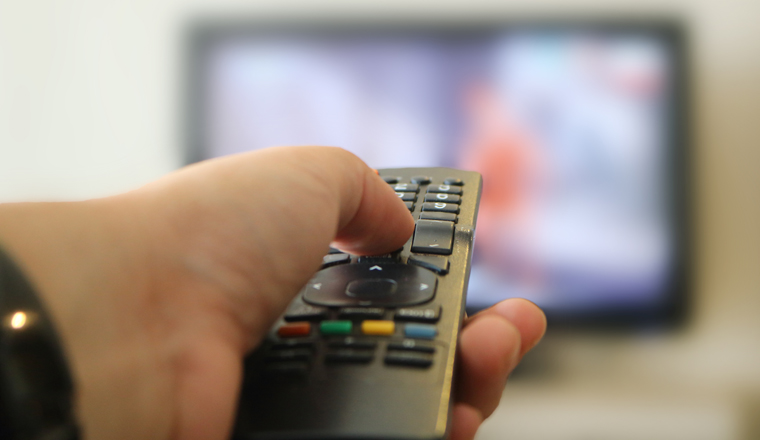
[{"x": 367, "y": 348}]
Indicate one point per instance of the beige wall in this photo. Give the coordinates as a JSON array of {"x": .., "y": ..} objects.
[{"x": 89, "y": 106}]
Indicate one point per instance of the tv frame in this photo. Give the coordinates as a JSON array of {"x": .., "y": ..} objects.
[{"x": 673, "y": 312}]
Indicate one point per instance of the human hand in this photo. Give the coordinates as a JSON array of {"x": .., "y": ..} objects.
[{"x": 160, "y": 292}]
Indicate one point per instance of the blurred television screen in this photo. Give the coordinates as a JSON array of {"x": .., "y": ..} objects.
[{"x": 573, "y": 128}]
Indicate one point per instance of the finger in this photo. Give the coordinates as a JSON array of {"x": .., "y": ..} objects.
[
  {"x": 380, "y": 223},
  {"x": 358, "y": 209},
  {"x": 489, "y": 350},
  {"x": 465, "y": 421},
  {"x": 523, "y": 314}
]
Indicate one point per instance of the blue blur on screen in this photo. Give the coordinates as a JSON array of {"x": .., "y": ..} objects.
[{"x": 570, "y": 130}]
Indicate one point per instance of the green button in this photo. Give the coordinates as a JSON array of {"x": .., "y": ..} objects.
[{"x": 335, "y": 327}]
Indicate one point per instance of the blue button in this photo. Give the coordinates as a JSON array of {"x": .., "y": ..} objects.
[{"x": 420, "y": 331}]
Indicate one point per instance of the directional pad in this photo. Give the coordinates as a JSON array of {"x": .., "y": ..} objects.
[{"x": 365, "y": 285}]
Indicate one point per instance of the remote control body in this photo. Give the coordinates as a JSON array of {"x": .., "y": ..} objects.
[{"x": 367, "y": 349}]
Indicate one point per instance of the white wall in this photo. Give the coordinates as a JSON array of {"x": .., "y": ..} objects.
[{"x": 89, "y": 106}]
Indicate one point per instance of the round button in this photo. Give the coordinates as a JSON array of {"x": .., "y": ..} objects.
[
  {"x": 421, "y": 179},
  {"x": 391, "y": 179},
  {"x": 370, "y": 289},
  {"x": 453, "y": 181}
]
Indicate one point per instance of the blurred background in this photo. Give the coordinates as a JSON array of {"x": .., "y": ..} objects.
[{"x": 93, "y": 101}]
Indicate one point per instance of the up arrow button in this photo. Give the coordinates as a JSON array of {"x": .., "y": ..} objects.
[{"x": 375, "y": 268}]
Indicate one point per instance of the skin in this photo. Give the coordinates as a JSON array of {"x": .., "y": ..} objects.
[{"x": 159, "y": 293}]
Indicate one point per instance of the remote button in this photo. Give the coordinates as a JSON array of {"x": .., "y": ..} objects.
[
  {"x": 443, "y": 216},
  {"x": 406, "y": 187},
  {"x": 288, "y": 355},
  {"x": 411, "y": 345},
  {"x": 362, "y": 312},
  {"x": 335, "y": 251},
  {"x": 448, "y": 189},
  {"x": 439, "y": 265},
  {"x": 433, "y": 237},
  {"x": 379, "y": 259},
  {"x": 378, "y": 327},
  {"x": 421, "y": 179},
  {"x": 453, "y": 181},
  {"x": 335, "y": 259},
  {"x": 335, "y": 327},
  {"x": 286, "y": 368},
  {"x": 371, "y": 288},
  {"x": 420, "y": 315},
  {"x": 441, "y": 207},
  {"x": 391, "y": 179},
  {"x": 336, "y": 287},
  {"x": 409, "y": 205},
  {"x": 409, "y": 359},
  {"x": 420, "y": 331},
  {"x": 305, "y": 312},
  {"x": 351, "y": 342},
  {"x": 443, "y": 197},
  {"x": 406, "y": 196},
  {"x": 289, "y": 344},
  {"x": 294, "y": 329},
  {"x": 348, "y": 355}
]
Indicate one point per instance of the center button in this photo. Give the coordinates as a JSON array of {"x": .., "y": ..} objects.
[{"x": 370, "y": 289}]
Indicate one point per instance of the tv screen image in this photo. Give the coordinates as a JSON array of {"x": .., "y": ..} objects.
[{"x": 575, "y": 130}]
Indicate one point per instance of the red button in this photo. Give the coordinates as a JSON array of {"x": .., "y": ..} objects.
[{"x": 294, "y": 329}]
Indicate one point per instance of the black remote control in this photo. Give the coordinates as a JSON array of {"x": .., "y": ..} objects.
[{"x": 367, "y": 348}]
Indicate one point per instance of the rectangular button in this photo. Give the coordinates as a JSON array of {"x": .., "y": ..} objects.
[
  {"x": 289, "y": 344},
  {"x": 412, "y": 345},
  {"x": 335, "y": 259},
  {"x": 351, "y": 342},
  {"x": 442, "y": 197},
  {"x": 287, "y": 368},
  {"x": 433, "y": 237},
  {"x": 420, "y": 331},
  {"x": 447, "y": 189},
  {"x": 359, "y": 356},
  {"x": 440, "y": 207},
  {"x": 335, "y": 327},
  {"x": 361, "y": 312},
  {"x": 432, "y": 314},
  {"x": 406, "y": 196},
  {"x": 305, "y": 312},
  {"x": 439, "y": 265},
  {"x": 443, "y": 216},
  {"x": 409, "y": 205},
  {"x": 288, "y": 355},
  {"x": 406, "y": 187},
  {"x": 409, "y": 359},
  {"x": 378, "y": 327},
  {"x": 294, "y": 329}
]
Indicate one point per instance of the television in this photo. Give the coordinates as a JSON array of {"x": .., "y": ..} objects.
[{"x": 578, "y": 128}]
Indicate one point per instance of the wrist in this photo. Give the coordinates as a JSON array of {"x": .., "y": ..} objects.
[
  {"x": 36, "y": 391},
  {"x": 82, "y": 258}
]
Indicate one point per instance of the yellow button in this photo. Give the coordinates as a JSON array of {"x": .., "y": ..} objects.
[{"x": 378, "y": 327}]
